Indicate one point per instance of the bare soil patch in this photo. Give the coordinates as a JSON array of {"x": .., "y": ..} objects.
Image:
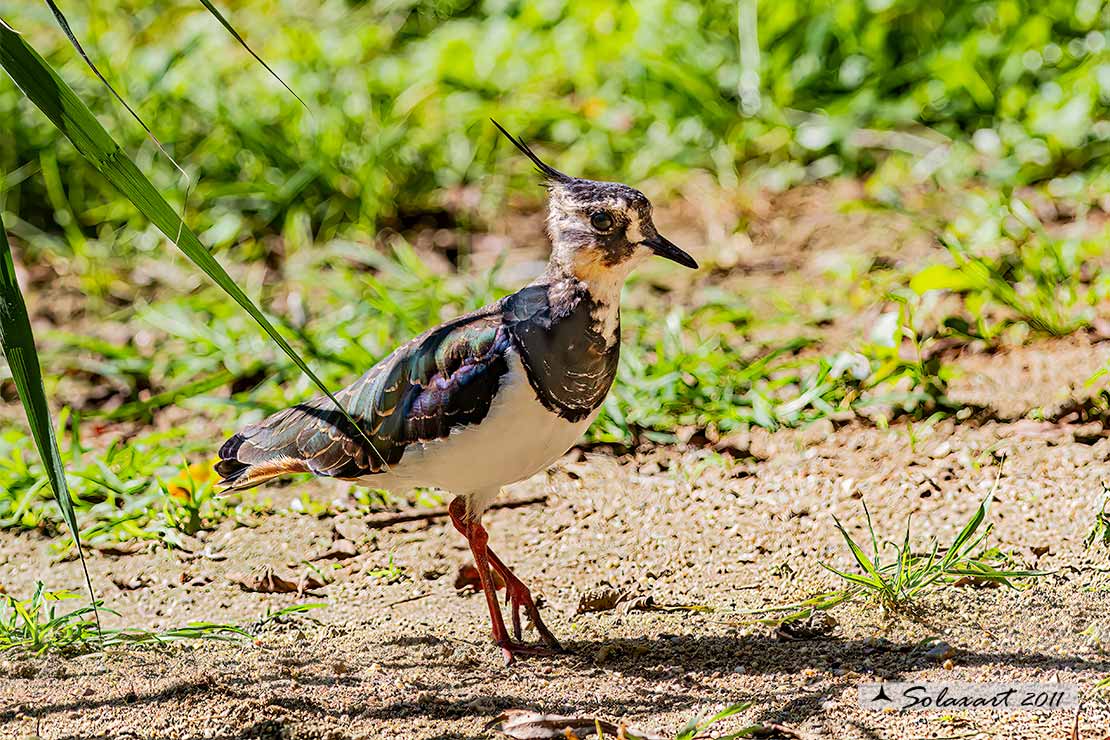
[{"x": 411, "y": 658}]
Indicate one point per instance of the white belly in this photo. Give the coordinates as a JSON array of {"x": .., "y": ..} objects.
[{"x": 516, "y": 439}]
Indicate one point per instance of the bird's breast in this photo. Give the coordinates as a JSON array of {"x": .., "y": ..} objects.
[
  {"x": 518, "y": 437},
  {"x": 570, "y": 356}
]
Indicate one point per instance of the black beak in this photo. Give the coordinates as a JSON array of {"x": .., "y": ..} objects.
[{"x": 664, "y": 248}]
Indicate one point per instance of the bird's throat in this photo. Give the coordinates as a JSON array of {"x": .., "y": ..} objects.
[{"x": 601, "y": 288}]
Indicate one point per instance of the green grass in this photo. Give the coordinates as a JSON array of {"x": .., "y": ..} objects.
[
  {"x": 897, "y": 584},
  {"x": 143, "y": 488},
  {"x": 897, "y": 581},
  {"x": 1007, "y": 264},
  {"x": 391, "y": 573},
  {"x": 152, "y": 365},
  {"x": 36, "y": 626},
  {"x": 397, "y": 94}
]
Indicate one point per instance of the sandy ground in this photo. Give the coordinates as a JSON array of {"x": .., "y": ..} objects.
[
  {"x": 412, "y": 658},
  {"x": 708, "y": 536}
]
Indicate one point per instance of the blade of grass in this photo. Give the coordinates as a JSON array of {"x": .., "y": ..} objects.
[
  {"x": 18, "y": 342},
  {"x": 862, "y": 560},
  {"x": 50, "y": 94},
  {"x": 231, "y": 29},
  {"x": 64, "y": 24}
]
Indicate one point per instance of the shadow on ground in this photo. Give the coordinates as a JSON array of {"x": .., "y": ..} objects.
[{"x": 646, "y": 660}]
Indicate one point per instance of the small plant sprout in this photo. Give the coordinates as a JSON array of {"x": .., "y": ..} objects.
[
  {"x": 1100, "y": 532},
  {"x": 390, "y": 574},
  {"x": 287, "y": 615},
  {"x": 897, "y": 583},
  {"x": 35, "y": 627},
  {"x": 695, "y": 728}
]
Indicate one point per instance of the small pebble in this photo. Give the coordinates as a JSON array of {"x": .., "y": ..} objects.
[{"x": 940, "y": 651}]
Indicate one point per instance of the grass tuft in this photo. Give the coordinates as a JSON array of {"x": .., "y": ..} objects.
[
  {"x": 896, "y": 583},
  {"x": 35, "y": 627}
]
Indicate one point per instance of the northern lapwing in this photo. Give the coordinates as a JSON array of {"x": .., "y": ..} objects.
[{"x": 489, "y": 398}]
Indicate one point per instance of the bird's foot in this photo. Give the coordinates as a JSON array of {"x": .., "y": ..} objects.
[
  {"x": 511, "y": 650},
  {"x": 519, "y": 597}
]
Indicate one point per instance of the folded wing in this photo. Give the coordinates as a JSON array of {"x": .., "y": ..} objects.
[{"x": 441, "y": 380}]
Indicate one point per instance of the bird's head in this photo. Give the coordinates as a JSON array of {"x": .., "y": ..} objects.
[{"x": 598, "y": 230}]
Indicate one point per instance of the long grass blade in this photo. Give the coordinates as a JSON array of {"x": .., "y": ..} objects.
[
  {"x": 862, "y": 560},
  {"x": 872, "y": 583},
  {"x": 18, "y": 342},
  {"x": 64, "y": 25},
  {"x": 231, "y": 29},
  {"x": 60, "y": 104},
  {"x": 963, "y": 542}
]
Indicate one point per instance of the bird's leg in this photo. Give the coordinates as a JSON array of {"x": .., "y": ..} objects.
[
  {"x": 516, "y": 592},
  {"x": 477, "y": 537}
]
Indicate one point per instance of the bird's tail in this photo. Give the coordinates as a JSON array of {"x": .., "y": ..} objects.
[{"x": 237, "y": 474}]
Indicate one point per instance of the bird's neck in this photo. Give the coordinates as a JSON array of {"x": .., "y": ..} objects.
[{"x": 601, "y": 286}]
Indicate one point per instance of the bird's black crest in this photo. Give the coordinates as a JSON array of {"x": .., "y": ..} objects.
[{"x": 549, "y": 172}]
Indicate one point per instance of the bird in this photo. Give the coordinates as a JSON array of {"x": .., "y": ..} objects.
[{"x": 486, "y": 399}]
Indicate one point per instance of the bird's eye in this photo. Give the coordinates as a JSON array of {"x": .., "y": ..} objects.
[{"x": 601, "y": 221}]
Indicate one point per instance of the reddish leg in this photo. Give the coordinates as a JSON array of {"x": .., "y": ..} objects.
[{"x": 516, "y": 593}]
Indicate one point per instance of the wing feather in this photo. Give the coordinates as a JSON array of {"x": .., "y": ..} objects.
[{"x": 441, "y": 380}]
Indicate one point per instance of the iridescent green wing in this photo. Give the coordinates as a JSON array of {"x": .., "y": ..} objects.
[{"x": 439, "y": 381}]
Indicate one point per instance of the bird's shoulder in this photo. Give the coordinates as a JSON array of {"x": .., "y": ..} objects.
[{"x": 569, "y": 357}]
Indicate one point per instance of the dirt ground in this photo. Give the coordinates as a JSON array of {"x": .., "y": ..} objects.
[
  {"x": 708, "y": 536},
  {"x": 411, "y": 658}
]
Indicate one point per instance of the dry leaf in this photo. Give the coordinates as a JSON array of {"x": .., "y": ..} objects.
[
  {"x": 265, "y": 580},
  {"x": 467, "y": 579},
  {"x": 638, "y": 604},
  {"x": 976, "y": 582},
  {"x": 601, "y": 598},
  {"x": 524, "y": 724},
  {"x": 339, "y": 550}
]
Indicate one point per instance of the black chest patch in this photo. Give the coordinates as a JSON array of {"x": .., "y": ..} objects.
[{"x": 570, "y": 365}]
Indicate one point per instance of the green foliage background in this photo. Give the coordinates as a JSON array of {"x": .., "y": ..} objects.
[
  {"x": 400, "y": 92},
  {"x": 293, "y": 200}
]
